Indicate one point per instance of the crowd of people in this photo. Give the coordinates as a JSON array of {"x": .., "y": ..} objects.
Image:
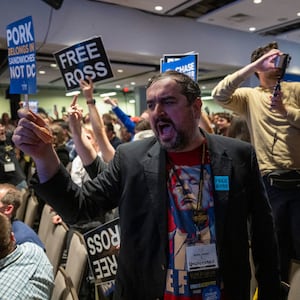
[{"x": 193, "y": 190}]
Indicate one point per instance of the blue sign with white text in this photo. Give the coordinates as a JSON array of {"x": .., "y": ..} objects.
[
  {"x": 21, "y": 56},
  {"x": 186, "y": 65}
]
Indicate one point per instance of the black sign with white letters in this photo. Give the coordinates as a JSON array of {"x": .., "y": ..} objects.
[
  {"x": 83, "y": 60},
  {"x": 103, "y": 245}
]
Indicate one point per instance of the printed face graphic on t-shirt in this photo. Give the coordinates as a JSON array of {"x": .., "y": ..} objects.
[{"x": 185, "y": 187}]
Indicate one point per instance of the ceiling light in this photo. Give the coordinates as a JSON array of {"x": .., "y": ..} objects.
[
  {"x": 42, "y": 72},
  {"x": 73, "y": 93},
  {"x": 257, "y": 1},
  {"x": 158, "y": 8},
  {"x": 252, "y": 29},
  {"x": 298, "y": 14},
  {"x": 108, "y": 94},
  {"x": 53, "y": 65},
  {"x": 120, "y": 71},
  {"x": 118, "y": 86},
  {"x": 132, "y": 83},
  {"x": 207, "y": 98},
  {"x": 131, "y": 101}
]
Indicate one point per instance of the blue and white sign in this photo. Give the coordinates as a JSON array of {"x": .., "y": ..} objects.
[
  {"x": 21, "y": 56},
  {"x": 186, "y": 64}
]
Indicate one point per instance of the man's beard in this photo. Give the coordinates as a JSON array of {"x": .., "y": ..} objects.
[{"x": 180, "y": 142}]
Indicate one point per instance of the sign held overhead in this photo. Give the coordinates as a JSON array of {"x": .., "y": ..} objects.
[
  {"x": 21, "y": 56},
  {"x": 83, "y": 60},
  {"x": 183, "y": 63}
]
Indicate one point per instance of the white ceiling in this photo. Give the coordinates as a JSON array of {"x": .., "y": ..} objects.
[
  {"x": 138, "y": 67},
  {"x": 238, "y": 15}
]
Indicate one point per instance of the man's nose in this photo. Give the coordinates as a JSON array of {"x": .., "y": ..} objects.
[{"x": 159, "y": 109}]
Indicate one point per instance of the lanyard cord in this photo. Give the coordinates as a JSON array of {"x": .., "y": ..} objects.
[
  {"x": 200, "y": 215},
  {"x": 199, "y": 202}
]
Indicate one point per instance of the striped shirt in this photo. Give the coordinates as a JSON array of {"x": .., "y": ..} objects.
[{"x": 26, "y": 273}]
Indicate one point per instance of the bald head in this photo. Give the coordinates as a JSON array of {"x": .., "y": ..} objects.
[{"x": 10, "y": 199}]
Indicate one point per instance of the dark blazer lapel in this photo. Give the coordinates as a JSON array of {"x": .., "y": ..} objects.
[
  {"x": 155, "y": 174},
  {"x": 221, "y": 165}
]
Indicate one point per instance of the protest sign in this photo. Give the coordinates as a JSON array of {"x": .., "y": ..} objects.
[
  {"x": 184, "y": 63},
  {"x": 85, "y": 59},
  {"x": 21, "y": 56},
  {"x": 103, "y": 245}
]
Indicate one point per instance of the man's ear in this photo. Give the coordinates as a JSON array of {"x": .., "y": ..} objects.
[
  {"x": 12, "y": 237},
  {"x": 197, "y": 106},
  {"x": 8, "y": 211}
]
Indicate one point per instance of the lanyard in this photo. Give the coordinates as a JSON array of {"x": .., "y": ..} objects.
[{"x": 199, "y": 214}]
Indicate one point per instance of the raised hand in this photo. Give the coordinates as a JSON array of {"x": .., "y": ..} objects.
[
  {"x": 75, "y": 116},
  {"x": 34, "y": 138},
  {"x": 87, "y": 88}
]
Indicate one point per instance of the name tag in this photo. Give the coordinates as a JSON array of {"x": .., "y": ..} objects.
[
  {"x": 201, "y": 257},
  {"x": 9, "y": 167}
]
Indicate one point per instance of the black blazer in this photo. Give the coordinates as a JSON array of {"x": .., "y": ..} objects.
[{"x": 135, "y": 180}]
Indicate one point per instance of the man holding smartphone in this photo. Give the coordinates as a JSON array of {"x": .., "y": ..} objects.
[{"x": 273, "y": 118}]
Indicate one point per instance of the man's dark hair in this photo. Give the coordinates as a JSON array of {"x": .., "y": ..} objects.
[
  {"x": 259, "y": 52},
  {"x": 110, "y": 127},
  {"x": 225, "y": 115},
  {"x": 189, "y": 87}
]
